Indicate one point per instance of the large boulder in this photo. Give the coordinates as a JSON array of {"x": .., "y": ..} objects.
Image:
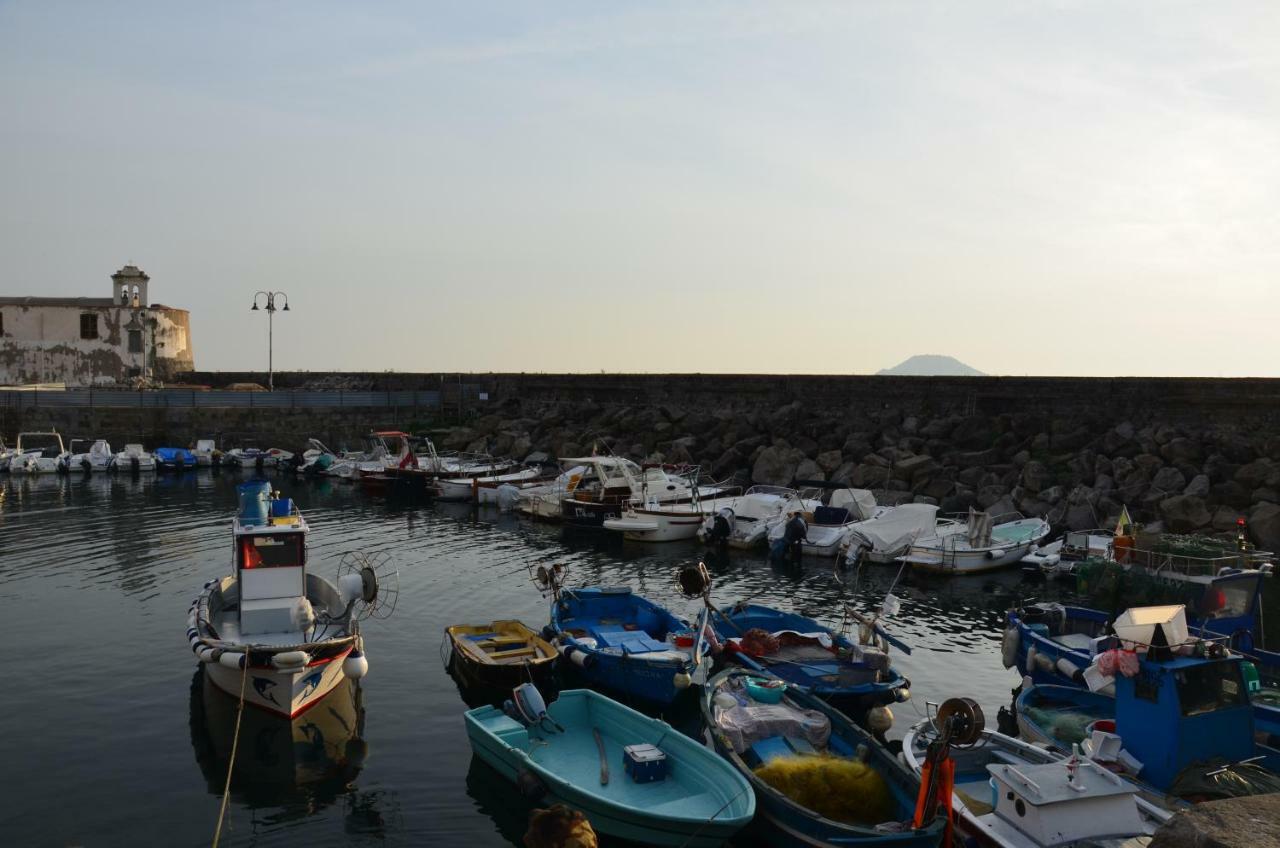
[
  {"x": 1185, "y": 513},
  {"x": 1169, "y": 481},
  {"x": 776, "y": 465},
  {"x": 1254, "y": 474},
  {"x": 1264, "y": 526},
  {"x": 1036, "y": 476},
  {"x": 1199, "y": 486},
  {"x": 830, "y": 460},
  {"x": 915, "y": 467},
  {"x": 809, "y": 470}
]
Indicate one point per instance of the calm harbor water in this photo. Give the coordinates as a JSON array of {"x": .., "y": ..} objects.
[{"x": 112, "y": 739}]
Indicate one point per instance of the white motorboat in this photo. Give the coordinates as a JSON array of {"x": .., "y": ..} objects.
[
  {"x": 829, "y": 526},
  {"x": 507, "y": 496},
  {"x": 745, "y": 521},
  {"x": 318, "y": 460},
  {"x": 889, "y": 534},
  {"x": 455, "y": 466},
  {"x": 37, "y": 453},
  {"x": 468, "y": 488},
  {"x": 666, "y": 522},
  {"x": 98, "y": 456},
  {"x": 614, "y": 484},
  {"x": 256, "y": 457},
  {"x": 1011, "y": 794},
  {"x": 134, "y": 458},
  {"x": 207, "y": 453},
  {"x": 543, "y": 500},
  {"x": 982, "y": 543},
  {"x": 280, "y": 634}
]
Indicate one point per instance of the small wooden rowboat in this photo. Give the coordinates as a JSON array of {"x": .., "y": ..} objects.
[{"x": 500, "y": 654}]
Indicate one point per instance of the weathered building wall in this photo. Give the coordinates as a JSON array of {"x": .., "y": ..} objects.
[
  {"x": 94, "y": 341},
  {"x": 43, "y": 343}
]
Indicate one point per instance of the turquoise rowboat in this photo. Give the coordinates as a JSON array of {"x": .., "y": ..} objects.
[{"x": 702, "y": 801}]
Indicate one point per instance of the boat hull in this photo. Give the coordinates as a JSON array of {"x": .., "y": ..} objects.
[
  {"x": 968, "y": 562},
  {"x": 622, "y": 809},
  {"x": 283, "y": 693},
  {"x": 780, "y": 821},
  {"x": 643, "y": 526}
]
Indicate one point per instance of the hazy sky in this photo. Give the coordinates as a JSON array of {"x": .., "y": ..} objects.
[{"x": 1056, "y": 188}]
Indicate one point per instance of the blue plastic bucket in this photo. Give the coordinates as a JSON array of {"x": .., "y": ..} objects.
[
  {"x": 281, "y": 507},
  {"x": 254, "y": 497}
]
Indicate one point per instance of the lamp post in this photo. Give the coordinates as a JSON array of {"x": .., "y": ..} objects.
[{"x": 271, "y": 314}]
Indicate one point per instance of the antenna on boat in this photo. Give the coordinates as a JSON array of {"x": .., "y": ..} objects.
[{"x": 369, "y": 584}]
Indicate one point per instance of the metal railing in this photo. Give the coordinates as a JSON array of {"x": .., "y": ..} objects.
[{"x": 189, "y": 398}]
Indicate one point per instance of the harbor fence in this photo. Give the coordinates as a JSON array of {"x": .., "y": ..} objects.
[{"x": 211, "y": 398}]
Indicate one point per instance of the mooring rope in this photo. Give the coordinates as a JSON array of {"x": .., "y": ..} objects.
[{"x": 231, "y": 761}]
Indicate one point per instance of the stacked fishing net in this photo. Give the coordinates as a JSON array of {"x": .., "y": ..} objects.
[
  {"x": 836, "y": 788},
  {"x": 1113, "y": 585}
]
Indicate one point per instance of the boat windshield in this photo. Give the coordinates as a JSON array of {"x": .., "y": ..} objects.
[
  {"x": 272, "y": 551},
  {"x": 1210, "y": 687},
  {"x": 1230, "y": 598}
]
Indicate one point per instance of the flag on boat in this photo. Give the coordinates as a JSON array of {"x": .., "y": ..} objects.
[{"x": 1124, "y": 524}]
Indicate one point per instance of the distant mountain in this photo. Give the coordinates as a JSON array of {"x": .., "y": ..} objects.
[{"x": 932, "y": 365}]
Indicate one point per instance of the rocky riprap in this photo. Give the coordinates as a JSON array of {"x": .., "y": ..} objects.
[{"x": 1075, "y": 472}]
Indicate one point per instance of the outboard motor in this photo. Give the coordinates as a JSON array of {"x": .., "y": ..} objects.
[
  {"x": 528, "y": 707},
  {"x": 722, "y": 524}
]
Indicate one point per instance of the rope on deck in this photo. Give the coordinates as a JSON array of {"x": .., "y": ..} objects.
[{"x": 231, "y": 761}]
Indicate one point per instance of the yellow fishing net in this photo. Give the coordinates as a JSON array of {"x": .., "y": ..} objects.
[{"x": 836, "y": 788}]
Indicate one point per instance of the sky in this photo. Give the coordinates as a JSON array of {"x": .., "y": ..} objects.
[{"x": 1085, "y": 188}]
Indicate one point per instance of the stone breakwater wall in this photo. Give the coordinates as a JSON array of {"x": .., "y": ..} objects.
[{"x": 1188, "y": 455}]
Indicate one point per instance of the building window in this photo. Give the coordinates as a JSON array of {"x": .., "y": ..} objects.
[
  {"x": 135, "y": 341},
  {"x": 89, "y": 325}
]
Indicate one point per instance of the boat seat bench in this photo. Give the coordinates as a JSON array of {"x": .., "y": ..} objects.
[{"x": 773, "y": 747}]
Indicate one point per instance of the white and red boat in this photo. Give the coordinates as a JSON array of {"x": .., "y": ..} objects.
[{"x": 283, "y": 636}]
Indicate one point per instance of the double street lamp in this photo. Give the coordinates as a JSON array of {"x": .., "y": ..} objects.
[{"x": 271, "y": 314}]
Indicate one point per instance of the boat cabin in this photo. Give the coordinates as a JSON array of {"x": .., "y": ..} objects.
[
  {"x": 270, "y": 563},
  {"x": 1177, "y": 711}
]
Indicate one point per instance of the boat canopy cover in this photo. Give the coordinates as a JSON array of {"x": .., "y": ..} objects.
[
  {"x": 898, "y": 527},
  {"x": 860, "y": 502}
]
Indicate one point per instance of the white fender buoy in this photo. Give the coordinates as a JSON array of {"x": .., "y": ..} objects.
[
  {"x": 290, "y": 660},
  {"x": 1031, "y": 660},
  {"x": 1009, "y": 647},
  {"x": 1067, "y": 668},
  {"x": 578, "y": 657},
  {"x": 356, "y": 665},
  {"x": 1045, "y": 663},
  {"x": 231, "y": 660},
  {"x": 682, "y": 680}
]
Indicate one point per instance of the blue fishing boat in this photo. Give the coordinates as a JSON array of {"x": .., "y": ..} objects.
[
  {"x": 812, "y": 657},
  {"x": 819, "y": 779},
  {"x": 175, "y": 459},
  {"x": 627, "y": 643},
  {"x": 632, "y": 776},
  {"x": 1180, "y": 729},
  {"x": 1053, "y": 644}
]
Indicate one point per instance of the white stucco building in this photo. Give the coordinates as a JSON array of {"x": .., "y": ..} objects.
[{"x": 94, "y": 341}]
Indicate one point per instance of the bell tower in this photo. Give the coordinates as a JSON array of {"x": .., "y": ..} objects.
[{"x": 129, "y": 287}]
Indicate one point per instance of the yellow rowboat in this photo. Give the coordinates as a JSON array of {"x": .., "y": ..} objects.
[{"x": 500, "y": 654}]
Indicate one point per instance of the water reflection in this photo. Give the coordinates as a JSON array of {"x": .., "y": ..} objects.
[{"x": 298, "y": 766}]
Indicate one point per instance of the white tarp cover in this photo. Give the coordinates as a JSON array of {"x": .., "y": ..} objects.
[
  {"x": 897, "y": 529},
  {"x": 860, "y": 502},
  {"x": 750, "y": 721}
]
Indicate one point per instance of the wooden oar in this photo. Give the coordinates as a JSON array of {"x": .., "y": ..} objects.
[{"x": 604, "y": 761}]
